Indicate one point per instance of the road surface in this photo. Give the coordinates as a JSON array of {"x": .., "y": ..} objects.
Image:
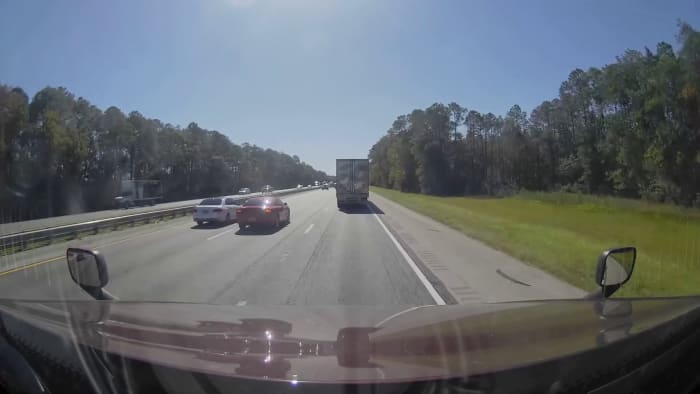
[
  {"x": 381, "y": 255},
  {"x": 322, "y": 257}
]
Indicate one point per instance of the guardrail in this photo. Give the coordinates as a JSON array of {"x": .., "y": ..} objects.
[{"x": 16, "y": 242}]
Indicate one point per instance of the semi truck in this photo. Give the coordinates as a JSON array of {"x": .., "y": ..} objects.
[
  {"x": 352, "y": 181},
  {"x": 138, "y": 192}
]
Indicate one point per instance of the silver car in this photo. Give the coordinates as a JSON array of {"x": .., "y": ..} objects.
[{"x": 216, "y": 210}]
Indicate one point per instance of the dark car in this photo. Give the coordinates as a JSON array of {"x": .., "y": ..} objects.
[{"x": 263, "y": 211}]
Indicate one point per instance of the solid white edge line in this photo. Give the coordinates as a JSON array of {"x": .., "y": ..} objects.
[
  {"x": 220, "y": 234},
  {"x": 428, "y": 286},
  {"x": 309, "y": 228}
]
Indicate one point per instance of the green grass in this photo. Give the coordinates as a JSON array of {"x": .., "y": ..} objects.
[{"x": 564, "y": 233}]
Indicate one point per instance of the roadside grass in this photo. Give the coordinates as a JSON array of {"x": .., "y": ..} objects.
[{"x": 564, "y": 233}]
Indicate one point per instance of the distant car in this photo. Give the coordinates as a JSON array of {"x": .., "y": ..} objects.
[
  {"x": 263, "y": 211},
  {"x": 299, "y": 186},
  {"x": 244, "y": 190},
  {"x": 267, "y": 189},
  {"x": 324, "y": 186},
  {"x": 308, "y": 185},
  {"x": 218, "y": 210}
]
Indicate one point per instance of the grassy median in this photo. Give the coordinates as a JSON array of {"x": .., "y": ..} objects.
[{"x": 564, "y": 234}]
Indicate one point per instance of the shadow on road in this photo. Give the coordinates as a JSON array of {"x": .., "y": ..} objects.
[
  {"x": 366, "y": 209},
  {"x": 260, "y": 230},
  {"x": 211, "y": 226}
]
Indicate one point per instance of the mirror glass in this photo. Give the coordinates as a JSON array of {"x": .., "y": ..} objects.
[
  {"x": 618, "y": 267},
  {"x": 84, "y": 268}
]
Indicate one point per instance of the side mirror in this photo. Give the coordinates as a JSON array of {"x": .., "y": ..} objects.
[
  {"x": 89, "y": 270},
  {"x": 615, "y": 268}
]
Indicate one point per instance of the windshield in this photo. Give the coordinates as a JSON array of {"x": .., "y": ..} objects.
[
  {"x": 211, "y": 201},
  {"x": 256, "y": 202},
  {"x": 394, "y": 155}
]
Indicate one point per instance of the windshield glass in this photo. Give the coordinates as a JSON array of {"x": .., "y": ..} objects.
[
  {"x": 526, "y": 183},
  {"x": 211, "y": 201},
  {"x": 256, "y": 202},
  {"x": 393, "y": 155}
]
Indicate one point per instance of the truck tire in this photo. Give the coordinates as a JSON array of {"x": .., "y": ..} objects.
[{"x": 199, "y": 222}]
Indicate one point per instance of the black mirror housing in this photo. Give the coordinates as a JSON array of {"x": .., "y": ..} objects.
[
  {"x": 614, "y": 269},
  {"x": 87, "y": 268}
]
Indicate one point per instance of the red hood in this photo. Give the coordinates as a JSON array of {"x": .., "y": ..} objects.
[{"x": 343, "y": 344}]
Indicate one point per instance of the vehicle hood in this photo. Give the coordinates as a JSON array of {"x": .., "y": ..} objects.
[{"x": 341, "y": 344}]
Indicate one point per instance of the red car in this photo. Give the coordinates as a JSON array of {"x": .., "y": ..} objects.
[{"x": 262, "y": 211}]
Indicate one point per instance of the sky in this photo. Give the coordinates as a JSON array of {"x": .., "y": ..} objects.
[{"x": 321, "y": 79}]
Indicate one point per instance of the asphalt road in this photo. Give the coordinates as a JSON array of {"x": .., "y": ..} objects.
[{"x": 323, "y": 257}]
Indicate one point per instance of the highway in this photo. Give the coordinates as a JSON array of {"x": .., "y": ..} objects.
[
  {"x": 38, "y": 224},
  {"x": 322, "y": 257},
  {"x": 379, "y": 255}
]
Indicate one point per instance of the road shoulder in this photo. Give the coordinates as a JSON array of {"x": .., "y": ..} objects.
[{"x": 462, "y": 269}]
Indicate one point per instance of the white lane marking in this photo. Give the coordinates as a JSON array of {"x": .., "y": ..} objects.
[
  {"x": 309, "y": 229},
  {"x": 220, "y": 234},
  {"x": 242, "y": 303},
  {"x": 411, "y": 263}
]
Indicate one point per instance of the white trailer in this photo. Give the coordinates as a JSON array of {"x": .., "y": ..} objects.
[
  {"x": 352, "y": 181},
  {"x": 139, "y": 192}
]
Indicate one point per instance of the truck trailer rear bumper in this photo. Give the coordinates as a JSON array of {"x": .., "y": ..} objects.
[{"x": 355, "y": 198}]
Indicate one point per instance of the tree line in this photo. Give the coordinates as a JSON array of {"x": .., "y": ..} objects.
[
  {"x": 630, "y": 128},
  {"x": 62, "y": 155}
]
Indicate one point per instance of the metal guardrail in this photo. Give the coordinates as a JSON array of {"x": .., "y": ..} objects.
[{"x": 25, "y": 240}]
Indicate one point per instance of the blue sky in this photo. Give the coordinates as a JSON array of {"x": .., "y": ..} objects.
[{"x": 317, "y": 78}]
